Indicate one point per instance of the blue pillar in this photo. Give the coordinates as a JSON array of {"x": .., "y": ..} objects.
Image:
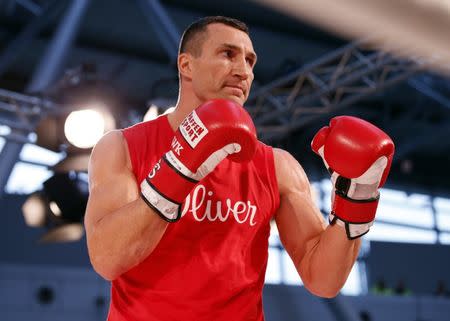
[
  {"x": 8, "y": 158},
  {"x": 164, "y": 27},
  {"x": 52, "y": 63}
]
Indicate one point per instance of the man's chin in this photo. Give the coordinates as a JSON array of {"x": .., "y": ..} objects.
[{"x": 237, "y": 99}]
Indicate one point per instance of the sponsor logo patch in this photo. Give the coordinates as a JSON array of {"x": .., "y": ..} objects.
[
  {"x": 193, "y": 130},
  {"x": 176, "y": 146}
]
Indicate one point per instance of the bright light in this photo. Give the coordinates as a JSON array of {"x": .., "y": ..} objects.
[
  {"x": 353, "y": 284},
  {"x": 55, "y": 208},
  {"x": 34, "y": 211},
  {"x": 169, "y": 110},
  {"x": 2, "y": 143},
  {"x": 4, "y": 130},
  {"x": 392, "y": 233},
  {"x": 39, "y": 154},
  {"x": 273, "y": 273},
  {"x": 151, "y": 113},
  {"x": 83, "y": 128},
  {"x": 26, "y": 178}
]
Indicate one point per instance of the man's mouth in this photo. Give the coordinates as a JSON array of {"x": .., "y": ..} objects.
[{"x": 237, "y": 87}]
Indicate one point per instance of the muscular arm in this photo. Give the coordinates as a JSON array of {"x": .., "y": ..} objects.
[
  {"x": 121, "y": 229},
  {"x": 322, "y": 255}
]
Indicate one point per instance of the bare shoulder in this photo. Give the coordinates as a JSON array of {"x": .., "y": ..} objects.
[
  {"x": 290, "y": 174},
  {"x": 111, "y": 180},
  {"x": 110, "y": 155}
]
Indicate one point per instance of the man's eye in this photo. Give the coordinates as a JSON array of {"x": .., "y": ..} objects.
[{"x": 228, "y": 53}]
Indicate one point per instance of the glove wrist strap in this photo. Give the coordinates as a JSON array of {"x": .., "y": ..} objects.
[
  {"x": 354, "y": 211},
  {"x": 165, "y": 189},
  {"x": 353, "y": 230},
  {"x": 167, "y": 209},
  {"x": 356, "y": 216}
]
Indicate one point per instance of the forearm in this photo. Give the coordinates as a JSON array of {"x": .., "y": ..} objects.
[
  {"x": 124, "y": 238},
  {"x": 328, "y": 261}
]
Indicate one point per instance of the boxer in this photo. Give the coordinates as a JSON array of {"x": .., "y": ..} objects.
[{"x": 179, "y": 211}]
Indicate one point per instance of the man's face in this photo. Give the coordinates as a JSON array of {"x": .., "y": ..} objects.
[{"x": 225, "y": 67}]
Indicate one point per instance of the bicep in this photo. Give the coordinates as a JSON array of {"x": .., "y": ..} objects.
[
  {"x": 111, "y": 181},
  {"x": 298, "y": 219}
]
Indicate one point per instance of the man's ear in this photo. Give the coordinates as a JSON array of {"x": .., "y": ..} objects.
[{"x": 185, "y": 65}]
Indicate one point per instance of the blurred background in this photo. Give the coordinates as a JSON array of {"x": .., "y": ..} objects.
[{"x": 72, "y": 70}]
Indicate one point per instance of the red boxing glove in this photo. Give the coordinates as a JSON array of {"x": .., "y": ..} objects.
[
  {"x": 215, "y": 130},
  {"x": 358, "y": 155}
]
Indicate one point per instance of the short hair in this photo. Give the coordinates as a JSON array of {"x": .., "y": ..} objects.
[{"x": 195, "y": 34}]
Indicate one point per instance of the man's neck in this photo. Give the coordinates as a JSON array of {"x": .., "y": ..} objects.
[
  {"x": 182, "y": 109},
  {"x": 175, "y": 118}
]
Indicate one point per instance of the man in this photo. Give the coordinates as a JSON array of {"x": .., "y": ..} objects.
[{"x": 205, "y": 259}]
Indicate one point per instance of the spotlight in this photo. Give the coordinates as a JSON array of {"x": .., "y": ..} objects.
[
  {"x": 158, "y": 106},
  {"x": 38, "y": 211},
  {"x": 89, "y": 107},
  {"x": 67, "y": 195},
  {"x": 83, "y": 128},
  {"x": 169, "y": 110},
  {"x": 76, "y": 131},
  {"x": 59, "y": 207},
  {"x": 151, "y": 113},
  {"x": 35, "y": 210},
  {"x": 154, "y": 111}
]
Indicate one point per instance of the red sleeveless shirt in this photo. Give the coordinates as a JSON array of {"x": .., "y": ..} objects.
[{"x": 210, "y": 265}]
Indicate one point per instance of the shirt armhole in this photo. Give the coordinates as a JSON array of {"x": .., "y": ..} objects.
[{"x": 273, "y": 177}]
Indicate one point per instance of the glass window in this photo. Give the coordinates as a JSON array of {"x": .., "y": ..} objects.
[
  {"x": 442, "y": 207},
  {"x": 290, "y": 274},
  {"x": 34, "y": 153},
  {"x": 390, "y": 195},
  {"x": 443, "y": 221},
  {"x": 395, "y": 208},
  {"x": 325, "y": 186},
  {"x": 444, "y": 238},
  {"x": 26, "y": 178},
  {"x": 353, "y": 284},
  {"x": 442, "y": 204},
  {"x": 405, "y": 213},
  {"x": 273, "y": 273},
  {"x": 315, "y": 192},
  {"x": 4, "y": 130},
  {"x": 392, "y": 233}
]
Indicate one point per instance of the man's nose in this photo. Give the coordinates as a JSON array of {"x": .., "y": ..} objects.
[{"x": 242, "y": 69}]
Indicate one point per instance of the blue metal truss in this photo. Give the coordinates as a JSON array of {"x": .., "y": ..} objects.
[{"x": 326, "y": 85}]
